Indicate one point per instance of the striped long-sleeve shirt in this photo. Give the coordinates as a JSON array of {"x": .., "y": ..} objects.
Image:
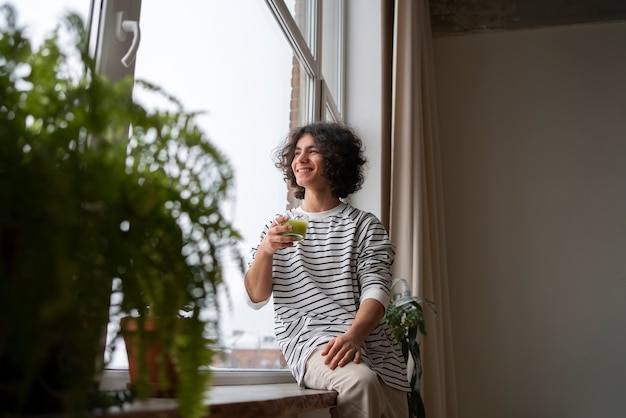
[{"x": 318, "y": 285}]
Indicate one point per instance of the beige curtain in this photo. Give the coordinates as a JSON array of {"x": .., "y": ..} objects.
[{"x": 416, "y": 223}]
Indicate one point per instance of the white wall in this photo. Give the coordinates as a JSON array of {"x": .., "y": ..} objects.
[{"x": 533, "y": 130}]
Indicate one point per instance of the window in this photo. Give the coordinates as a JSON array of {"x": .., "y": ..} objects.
[
  {"x": 314, "y": 29},
  {"x": 241, "y": 78},
  {"x": 255, "y": 68},
  {"x": 254, "y": 85}
]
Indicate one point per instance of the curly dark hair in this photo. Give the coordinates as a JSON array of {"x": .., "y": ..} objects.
[{"x": 342, "y": 150}]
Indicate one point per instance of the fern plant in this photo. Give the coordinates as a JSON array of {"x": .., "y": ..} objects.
[
  {"x": 90, "y": 214},
  {"x": 405, "y": 317}
]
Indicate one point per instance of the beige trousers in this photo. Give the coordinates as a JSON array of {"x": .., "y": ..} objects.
[{"x": 361, "y": 393}]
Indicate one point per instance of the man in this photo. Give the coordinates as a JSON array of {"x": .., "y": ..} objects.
[{"x": 331, "y": 289}]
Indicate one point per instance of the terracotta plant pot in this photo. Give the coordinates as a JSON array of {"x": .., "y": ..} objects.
[{"x": 162, "y": 384}]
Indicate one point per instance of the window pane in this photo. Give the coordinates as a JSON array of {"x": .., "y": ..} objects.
[
  {"x": 329, "y": 116},
  {"x": 302, "y": 93},
  {"x": 329, "y": 111},
  {"x": 231, "y": 60},
  {"x": 303, "y": 12},
  {"x": 41, "y": 17},
  {"x": 332, "y": 47}
]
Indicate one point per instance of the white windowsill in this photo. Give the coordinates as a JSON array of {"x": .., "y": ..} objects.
[{"x": 118, "y": 378}]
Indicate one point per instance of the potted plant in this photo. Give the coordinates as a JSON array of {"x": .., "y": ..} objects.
[
  {"x": 405, "y": 318},
  {"x": 91, "y": 214}
]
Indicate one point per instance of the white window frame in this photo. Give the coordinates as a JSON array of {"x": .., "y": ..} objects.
[
  {"x": 311, "y": 60},
  {"x": 363, "y": 109}
]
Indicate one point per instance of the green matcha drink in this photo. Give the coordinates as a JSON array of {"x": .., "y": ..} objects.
[{"x": 298, "y": 228}]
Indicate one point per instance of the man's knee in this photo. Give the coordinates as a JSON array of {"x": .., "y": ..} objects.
[{"x": 362, "y": 380}]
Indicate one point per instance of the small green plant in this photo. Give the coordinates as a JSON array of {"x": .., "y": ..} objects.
[
  {"x": 92, "y": 211},
  {"x": 405, "y": 318}
]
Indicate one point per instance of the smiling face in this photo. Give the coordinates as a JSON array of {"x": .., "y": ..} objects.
[{"x": 308, "y": 164}]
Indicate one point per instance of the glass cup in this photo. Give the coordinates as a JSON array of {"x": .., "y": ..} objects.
[{"x": 298, "y": 222}]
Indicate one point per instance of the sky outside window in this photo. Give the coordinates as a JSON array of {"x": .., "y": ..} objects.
[{"x": 230, "y": 60}]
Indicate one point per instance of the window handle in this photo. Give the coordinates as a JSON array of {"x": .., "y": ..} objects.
[{"x": 122, "y": 28}]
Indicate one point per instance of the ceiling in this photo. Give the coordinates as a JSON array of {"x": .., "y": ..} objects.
[{"x": 456, "y": 17}]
